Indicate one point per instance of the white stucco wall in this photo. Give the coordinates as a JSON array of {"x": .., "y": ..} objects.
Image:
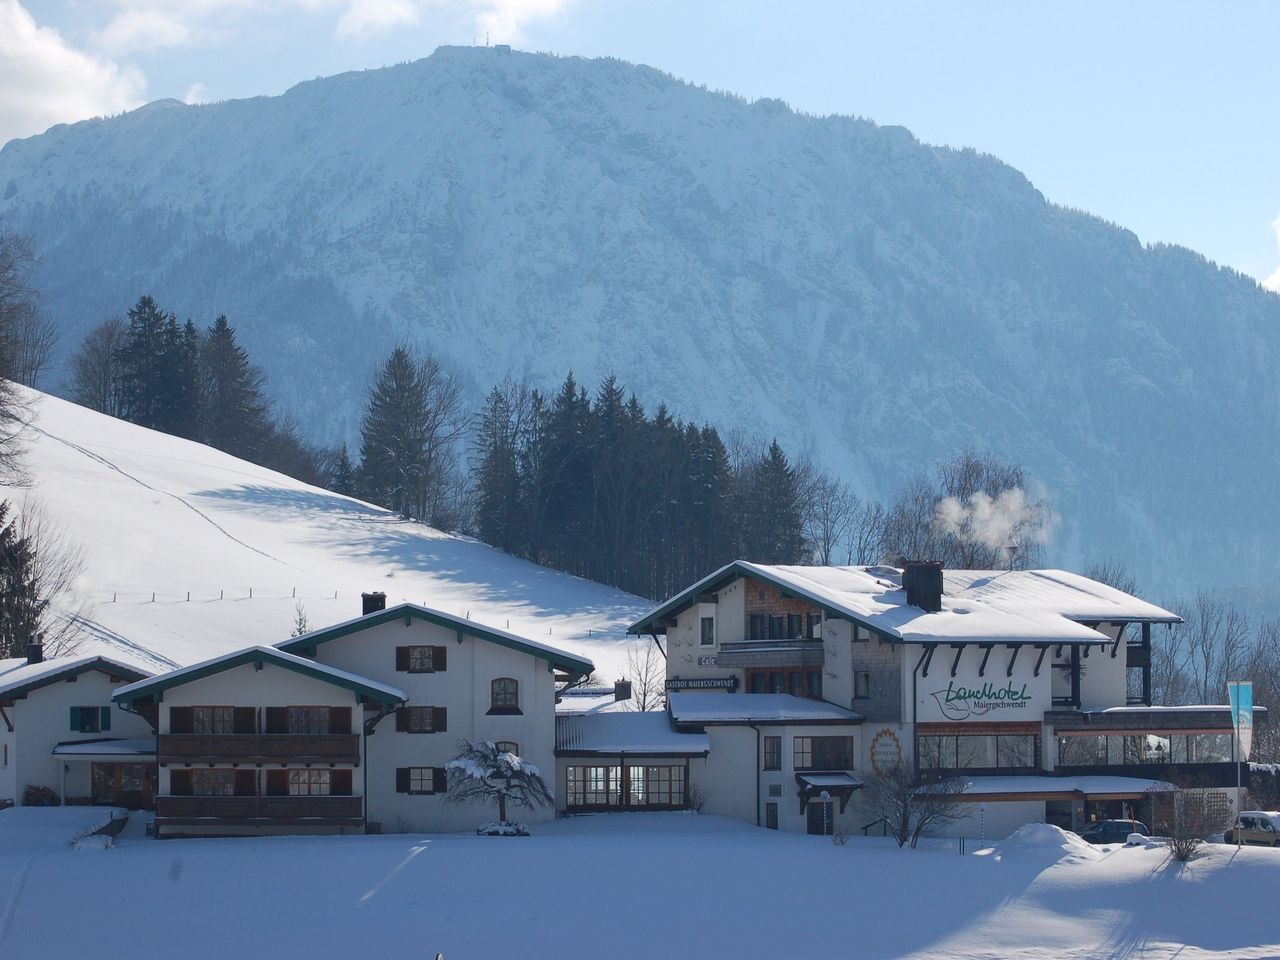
[
  {"x": 43, "y": 719},
  {"x": 1103, "y": 676},
  {"x": 464, "y": 690},
  {"x": 942, "y": 698}
]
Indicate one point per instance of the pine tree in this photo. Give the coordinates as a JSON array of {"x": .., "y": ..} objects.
[
  {"x": 391, "y": 448},
  {"x": 342, "y": 476},
  {"x": 233, "y": 411},
  {"x": 143, "y": 374},
  {"x": 769, "y": 504},
  {"x": 20, "y": 602},
  {"x": 498, "y": 507}
]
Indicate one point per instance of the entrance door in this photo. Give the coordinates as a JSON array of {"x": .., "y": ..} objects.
[{"x": 821, "y": 818}]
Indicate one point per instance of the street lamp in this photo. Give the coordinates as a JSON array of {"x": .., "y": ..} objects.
[{"x": 826, "y": 812}]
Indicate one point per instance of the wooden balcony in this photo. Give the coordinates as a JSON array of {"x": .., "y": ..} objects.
[
  {"x": 799, "y": 652},
  {"x": 278, "y": 809},
  {"x": 259, "y": 748}
]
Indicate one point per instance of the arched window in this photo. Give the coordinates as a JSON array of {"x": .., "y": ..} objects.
[
  {"x": 506, "y": 696},
  {"x": 508, "y": 746}
]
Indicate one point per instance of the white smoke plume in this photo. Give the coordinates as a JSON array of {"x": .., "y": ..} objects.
[{"x": 1011, "y": 517}]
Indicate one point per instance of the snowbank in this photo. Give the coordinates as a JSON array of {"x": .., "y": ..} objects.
[{"x": 1045, "y": 841}]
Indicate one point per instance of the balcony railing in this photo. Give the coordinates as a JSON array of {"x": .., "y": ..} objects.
[
  {"x": 258, "y": 808},
  {"x": 259, "y": 748},
  {"x": 801, "y": 652}
]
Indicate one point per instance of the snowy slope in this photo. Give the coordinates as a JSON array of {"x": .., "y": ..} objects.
[
  {"x": 680, "y": 885},
  {"x": 156, "y": 514},
  {"x": 874, "y": 300}
]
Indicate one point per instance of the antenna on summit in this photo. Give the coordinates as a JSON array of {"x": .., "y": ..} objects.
[{"x": 486, "y": 38}]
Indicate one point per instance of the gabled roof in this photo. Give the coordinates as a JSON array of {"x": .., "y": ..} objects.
[
  {"x": 634, "y": 733},
  {"x": 17, "y": 677},
  {"x": 146, "y": 689},
  {"x": 578, "y": 666},
  {"x": 1050, "y": 607}
]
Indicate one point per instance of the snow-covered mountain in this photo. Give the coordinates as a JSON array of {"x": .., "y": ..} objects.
[
  {"x": 874, "y": 301},
  {"x": 190, "y": 553}
]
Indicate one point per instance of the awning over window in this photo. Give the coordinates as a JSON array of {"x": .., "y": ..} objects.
[{"x": 839, "y": 786}]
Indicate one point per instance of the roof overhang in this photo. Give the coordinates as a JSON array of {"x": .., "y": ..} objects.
[{"x": 306, "y": 644}]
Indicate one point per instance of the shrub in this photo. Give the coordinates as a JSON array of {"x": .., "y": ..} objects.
[{"x": 37, "y": 796}]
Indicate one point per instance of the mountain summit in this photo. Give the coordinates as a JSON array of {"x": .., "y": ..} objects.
[{"x": 874, "y": 301}]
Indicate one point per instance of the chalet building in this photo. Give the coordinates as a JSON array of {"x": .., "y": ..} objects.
[
  {"x": 346, "y": 729},
  {"x": 59, "y": 730},
  {"x": 1033, "y": 685}
]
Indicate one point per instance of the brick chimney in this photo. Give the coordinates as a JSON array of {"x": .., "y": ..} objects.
[{"x": 372, "y": 603}]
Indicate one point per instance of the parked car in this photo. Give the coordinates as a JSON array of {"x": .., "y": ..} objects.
[
  {"x": 1113, "y": 831},
  {"x": 1257, "y": 826}
]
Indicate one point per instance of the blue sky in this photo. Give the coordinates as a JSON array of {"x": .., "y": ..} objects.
[{"x": 1158, "y": 116}]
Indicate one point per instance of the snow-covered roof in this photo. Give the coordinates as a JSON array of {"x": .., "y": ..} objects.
[
  {"x": 772, "y": 708},
  {"x": 1086, "y": 786},
  {"x": 144, "y": 747},
  {"x": 146, "y": 688},
  {"x": 1186, "y": 708},
  {"x": 557, "y": 657},
  {"x": 18, "y": 676},
  {"x": 831, "y": 780},
  {"x": 631, "y": 733},
  {"x": 1039, "y": 606},
  {"x": 1056, "y": 592}
]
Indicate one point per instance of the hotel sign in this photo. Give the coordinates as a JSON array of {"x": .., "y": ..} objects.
[
  {"x": 960, "y": 702},
  {"x": 703, "y": 683}
]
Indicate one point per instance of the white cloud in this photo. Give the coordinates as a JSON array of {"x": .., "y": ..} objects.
[
  {"x": 505, "y": 20},
  {"x": 1273, "y": 282},
  {"x": 363, "y": 17},
  {"x": 196, "y": 93},
  {"x": 142, "y": 29},
  {"x": 47, "y": 81}
]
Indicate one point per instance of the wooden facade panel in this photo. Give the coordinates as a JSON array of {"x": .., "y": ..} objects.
[
  {"x": 259, "y": 808},
  {"x": 259, "y": 748}
]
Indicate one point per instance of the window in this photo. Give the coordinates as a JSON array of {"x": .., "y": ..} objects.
[
  {"x": 795, "y": 626},
  {"x": 813, "y": 629},
  {"x": 775, "y": 789},
  {"x": 708, "y": 631},
  {"x": 795, "y": 683},
  {"x": 652, "y": 786},
  {"x": 968, "y": 751},
  {"x": 823, "y": 753},
  {"x": 90, "y": 719},
  {"x": 755, "y": 682},
  {"x": 424, "y": 780},
  {"x": 505, "y": 695},
  {"x": 773, "y": 753},
  {"x": 976, "y": 751},
  {"x": 213, "y": 720},
  {"x": 309, "y": 783},
  {"x": 777, "y": 627},
  {"x": 308, "y": 720},
  {"x": 759, "y": 626},
  {"x": 593, "y": 786},
  {"x": 213, "y": 783},
  {"x": 421, "y": 720},
  {"x": 638, "y": 785},
  {"x": 777, "y": 682},
  {"x": 815, "y": 684},
  {"x": 861, "y": 685},
  {"x": 421, "y": 659},
  {"x": 861, "y": 634},
  {"x": 508, "y": 746}
]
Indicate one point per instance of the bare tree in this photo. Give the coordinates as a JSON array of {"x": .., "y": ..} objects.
[
  {"x": 909, "y": 530},
  {"x": 646, "y": 668},
  {"x": 865, "y": 535},
  {"x": 96, "y": 369},
  {"x": 1113, "y": 573},
  {"x": 1212, "y": 645},
  {"x": 828, "y": 511},
  {"x": 45, "y": 604},
  {"x": 911, "y": 802},
  {"x": 1198, "y": 814},
  {"x": 17, "y": 304}
]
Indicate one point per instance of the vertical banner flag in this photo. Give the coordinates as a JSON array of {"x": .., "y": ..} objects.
[{"x": 1241, "y": 693}]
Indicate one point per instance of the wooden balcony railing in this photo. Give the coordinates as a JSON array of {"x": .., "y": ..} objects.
[
  {"x": 258, "y": 808},
  {"x": 259, "y": 748}
]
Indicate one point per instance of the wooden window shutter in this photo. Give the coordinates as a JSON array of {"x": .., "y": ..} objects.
[
  {"x": 440, "y": 721},
  {"x": 402, "y": 779},
  {"x": 245, "y": 720},
  {"x": 339, "y": 719},
  {"x": 104, "y": 719},
  {"x": 277, "y": 783},
  {"x": 340, "y": 783},
  {"x": 277, "y": 719},
  {"x": 75, "y": 719},
  {"x": 439, "y": 780},
  {"x": 402, "y": 719},
  {"x": 246, "y": 783},
  {"x": 402, "y": 659},
  {"x": 181, "y": 720},
  {"x": 440, "y": 659},
  {"x": 180, "y": 783}
]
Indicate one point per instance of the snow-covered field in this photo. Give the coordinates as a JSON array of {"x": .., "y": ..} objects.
[
  {"x": 164, "y": 517},
  {"x": 623, "y": 886}
]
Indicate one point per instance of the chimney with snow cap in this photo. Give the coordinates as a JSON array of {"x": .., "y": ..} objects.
[
  {"x": 372, "y": 603},
  {"x": 922, "y": 579},
  {"x": 35, "y": 652}
]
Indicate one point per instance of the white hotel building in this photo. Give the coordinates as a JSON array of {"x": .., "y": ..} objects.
[{"x": 801, "y": 683}]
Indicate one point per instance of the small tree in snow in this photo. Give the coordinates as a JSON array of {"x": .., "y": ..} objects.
[
  {"x": 481, "y": 773},
  {"x": 911, "y": 802},
  {"x": 300, "y": 625}
]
